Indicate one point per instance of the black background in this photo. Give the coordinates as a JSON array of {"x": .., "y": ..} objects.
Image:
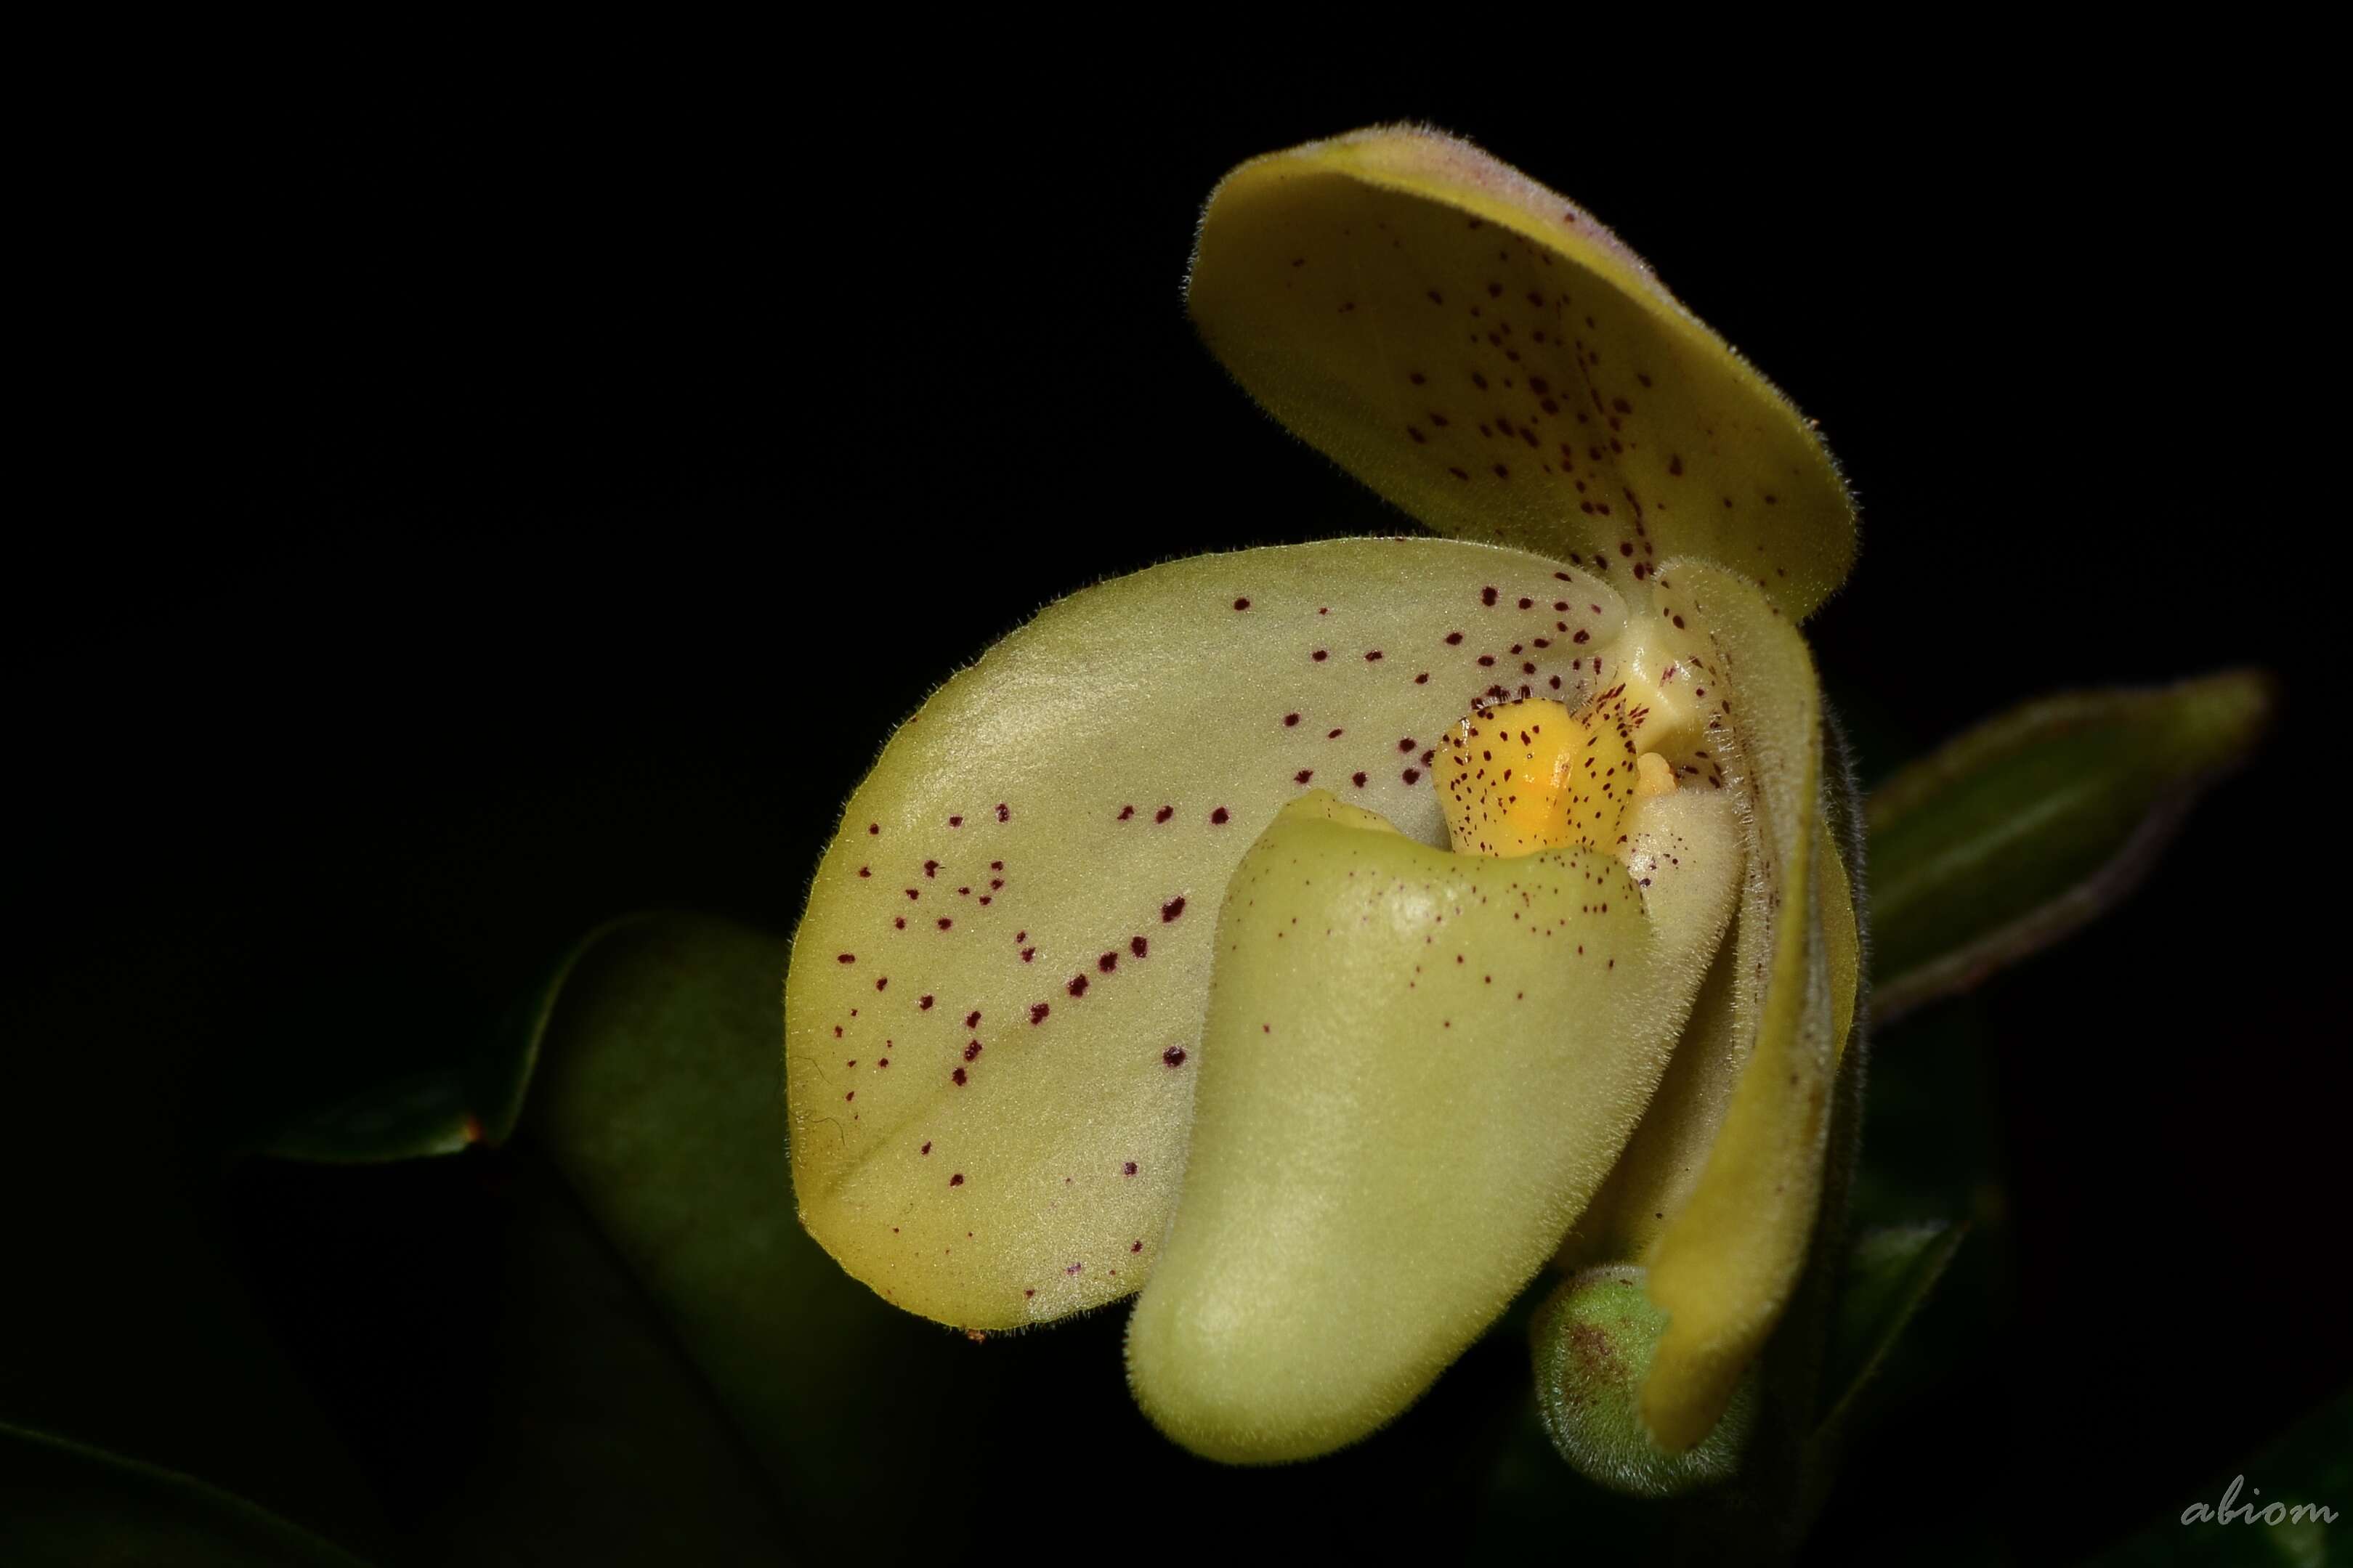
[{"x": 514, "y": 509}]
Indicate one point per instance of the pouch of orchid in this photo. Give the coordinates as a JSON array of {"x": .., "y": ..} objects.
[{"x": 1316, "y": 944}]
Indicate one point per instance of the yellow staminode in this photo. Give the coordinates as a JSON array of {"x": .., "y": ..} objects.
[{"x": 1529, "y": 776}]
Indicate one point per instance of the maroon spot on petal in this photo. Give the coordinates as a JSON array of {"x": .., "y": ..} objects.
[
  {"x": 1290, "y": 721},
  {"x": 955, "y": 821},
  {"x": 923, "y": 1005},
  {"x": 866, "y": 870},
  {"x": 1406, "y": 744},
  {"x": 1078, "y": 987},
  {"x": 957, "y": 1180},
  {"x": 1002, "y": 812},
  {"x": 1038, "y": 1011},
  {"x": 1136, "y": 1246},
  {"x": 1303, "y": 775},
  {"x": 873, "y": 827},
  {"x": 1319, "y": 654},
  {"x": 1126, "y": 812},
  {"x": 1171, "y": 909},
  {"x": 1174, "y": 1056},
  {"x": 1128, "y": 1169},
  {"x": 971, "y": 1051},
  {"x": 1107, "y": 963},
  {"x": 1219, "y": 817},
  {"x": 846, "y": 958},
  {"x": 1242, "y": 604},
  {"x": 1374, "y": 657},
  {"x": 1487, "y": 596},
  {"x": 1138, "y": 946},
  {"x": 1357, "y": 779},
  {"x": 1412, "y": 775},
  {"x": 972, "y": 1020},
  {"x": 882, "y": 983},
  {"x": 931, "y": 868},
  {"x": 1164, "y": 814},
  {"x": 958, "y": 1077},
  {"x": 927, "y": 1148},
  {"x": 945, "y": 922}
]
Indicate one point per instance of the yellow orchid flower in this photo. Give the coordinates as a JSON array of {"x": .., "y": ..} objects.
[{"x": 1318, "y": 940}]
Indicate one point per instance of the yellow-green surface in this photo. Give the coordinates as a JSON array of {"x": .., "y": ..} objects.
[
  {"x": 1593, "y": 1343},
  {"x": 1017, "y": 914},
  {"x": 1724, "y": 1266},
  {"x": 1001, "y": 1000},
  {"x": 1417, "y": 1068},
  {"x": 1480, "y": 351}
]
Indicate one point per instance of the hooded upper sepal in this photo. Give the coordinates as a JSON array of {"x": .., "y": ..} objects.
[{"x": 1484, "y": 353}]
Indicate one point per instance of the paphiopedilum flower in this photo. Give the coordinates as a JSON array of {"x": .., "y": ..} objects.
[{"x": 1318, "y": 940}]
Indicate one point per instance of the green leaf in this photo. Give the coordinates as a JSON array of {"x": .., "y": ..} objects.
[
  {"x": 1888, "y": 1274},
  {"x": 593, "y": 1436},
  {"x": 62, "y": 1501},
  {"x": 2019, "y": 832},
  {"x": 438, "y": 1106},
  {"x": 659, "y": 1099}
]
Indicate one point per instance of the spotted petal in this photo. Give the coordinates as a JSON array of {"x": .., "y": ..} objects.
[
  {"x": 1480, "y": 351},
  {"x": 1418, "y": 1068},
  {"x": 1016, "y": 917}
]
